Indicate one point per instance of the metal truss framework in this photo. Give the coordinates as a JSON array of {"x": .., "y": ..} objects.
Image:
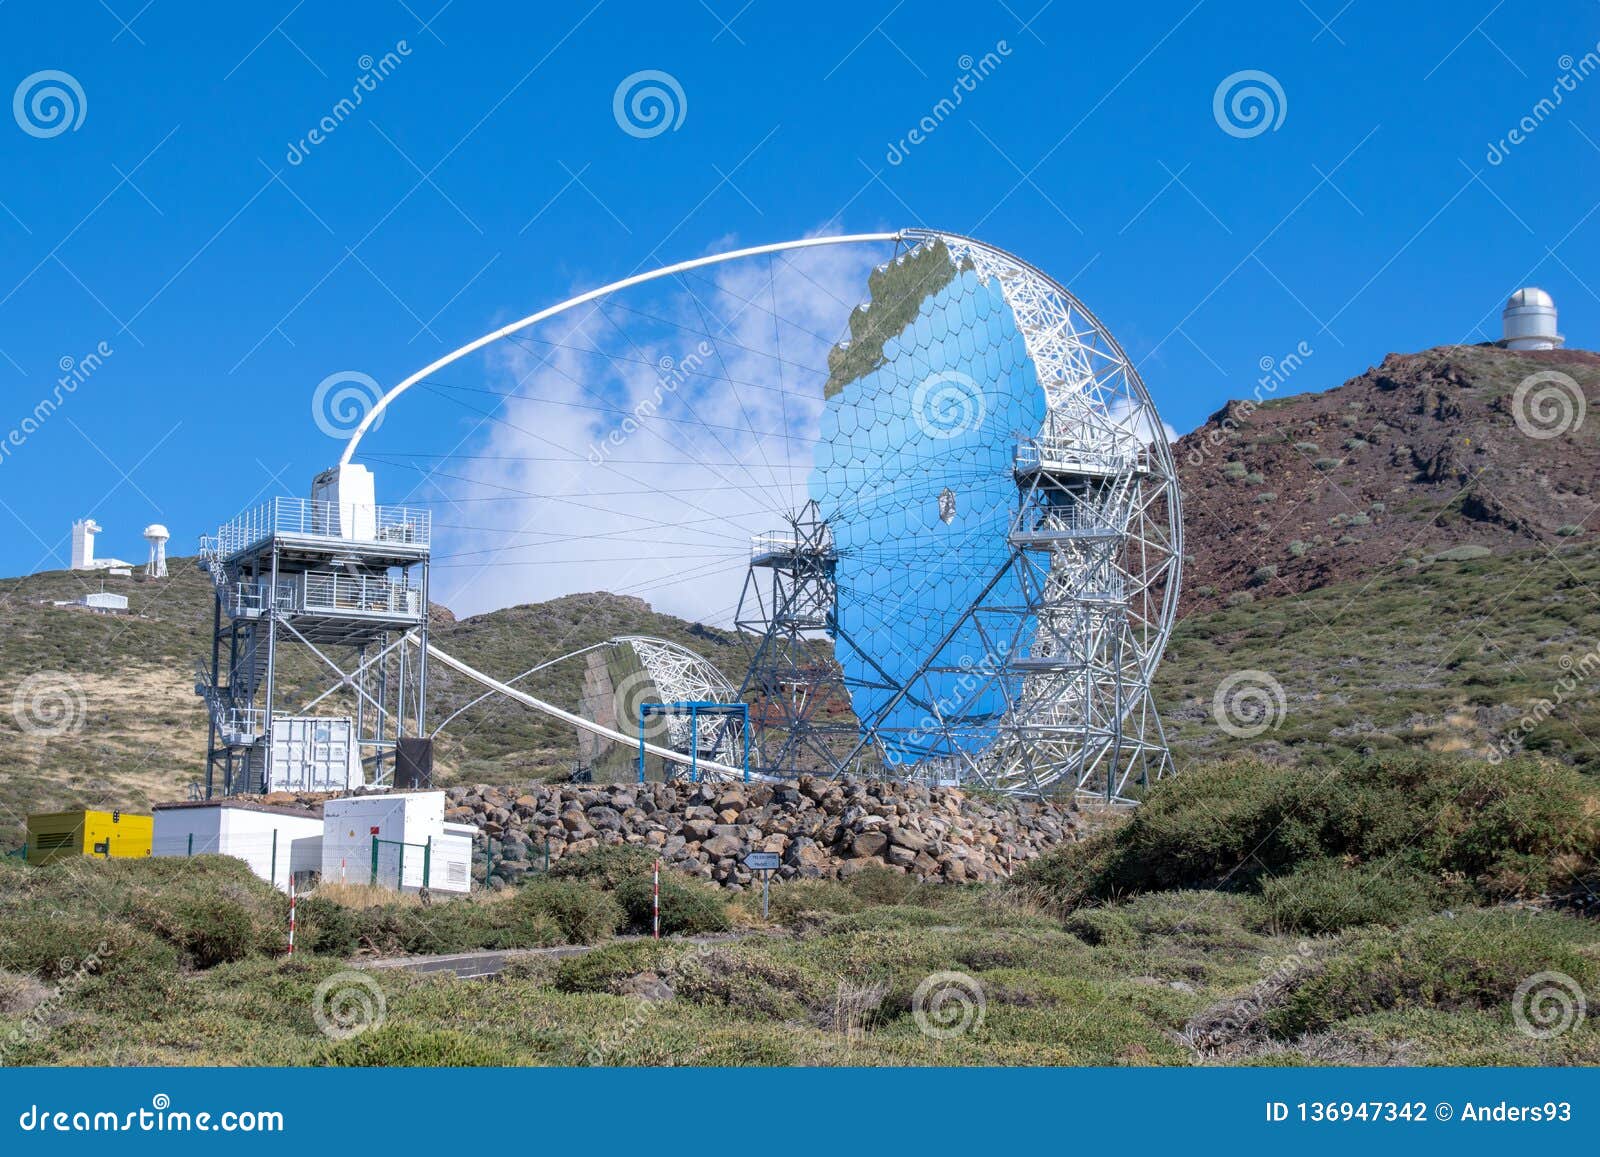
[
  {"x": 681, "y": 676},
  {"x": 1096, "y": 546},
  {"x": 286, "y": 580},
  {"x": 786, "y": 618},
  {"x": 1096, "y": 550}
]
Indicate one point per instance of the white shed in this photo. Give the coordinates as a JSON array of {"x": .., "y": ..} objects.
[
  {"x": 392, "y": 839},
  {"x": 274, "y": 841}
]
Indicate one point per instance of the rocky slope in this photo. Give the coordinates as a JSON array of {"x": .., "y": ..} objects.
[
  {"x": 1426, "y": 453},
  {"x": 821, "y": 828}
]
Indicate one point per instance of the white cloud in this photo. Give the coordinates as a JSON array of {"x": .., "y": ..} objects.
[{"x": 607, "y": 471}]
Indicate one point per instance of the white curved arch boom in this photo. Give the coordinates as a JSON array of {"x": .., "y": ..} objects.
[
  {"x": 582, "y": 298},
  {"x": 590, "y": 725}
]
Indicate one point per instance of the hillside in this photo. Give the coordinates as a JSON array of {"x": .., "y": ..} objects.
[
  {"x": 1421, "y": 454},
  {"x": 1333, "y": 544},
  {"x": 134, "y": 732},
  {"x": 1494, "y": 654}
]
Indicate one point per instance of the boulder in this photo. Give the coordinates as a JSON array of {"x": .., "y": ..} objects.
[
  {"x": 697, "y": 829},
  {"x": 868, "y": 844}
]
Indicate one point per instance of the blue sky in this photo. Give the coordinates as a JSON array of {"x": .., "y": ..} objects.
[{"x": 229, "y": 265}]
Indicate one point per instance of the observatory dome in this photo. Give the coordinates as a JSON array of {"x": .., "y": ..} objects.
[
  {"x": 1530, "y": 321},
  {"x": 156, "y": 530}
]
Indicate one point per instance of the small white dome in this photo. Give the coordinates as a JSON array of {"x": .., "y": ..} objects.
[
  {"x": 1530, "y": 297},
  {"x": 156, "y": 530}
]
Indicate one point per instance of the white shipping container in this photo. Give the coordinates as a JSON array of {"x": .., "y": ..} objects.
[
  {"x": 314, "y": 753},
  {"x": 274, "y": 841}
]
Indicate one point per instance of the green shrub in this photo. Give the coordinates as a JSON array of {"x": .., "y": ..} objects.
[
  {"x": 1239, "y": 598},
  {"x": 877, "y": 884},
  {"x": 1474, "y": 960},
  {"x": 1329, "y": 896},
  {"x": 1266, "y": 496},
  {"x": 329, "y": 929},
  {"x": 405, "y": 1046},
  {"x": 1263, "y": 575},
  {"x": 1298, "y": 549},
  {"x": 211, "y": 927},
  {"x": 791, "y": 901},
  {"x": 584, "y": 914},
  {"x": 1569, "y": 530},
  {"x": 1461, "y": 553},
  {"x": 608, "y": 867},
  {"x": 689, "y": 907},
  {"x": 56, "y": 945},
  {"x": 1255, "y": 478},
  {"x": 1234, "y": 469},
  {"x": 1326, "y": 464},
  {"x": 1508, "y": 829},
  {"x": 1307, "y": 447},
  {"x": 604, "y": 969},
  {"x": 749, "y": 982}
]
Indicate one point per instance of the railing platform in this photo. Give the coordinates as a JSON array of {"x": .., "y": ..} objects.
[
  {"x": 1053, "y": 456},
  {"x": 402, "y": 530}
]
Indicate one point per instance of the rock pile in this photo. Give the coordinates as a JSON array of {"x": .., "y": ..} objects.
[{"x": 821, "y": 828}]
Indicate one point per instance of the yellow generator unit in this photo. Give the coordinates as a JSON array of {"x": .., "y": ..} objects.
[{"x": 55, "y": 835}]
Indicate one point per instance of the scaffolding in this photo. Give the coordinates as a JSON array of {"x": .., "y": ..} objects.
[
  {"x": 800, "y": 705},
  {"x": 313, "y": 599}
]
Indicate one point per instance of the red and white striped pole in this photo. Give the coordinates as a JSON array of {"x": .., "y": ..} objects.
[
  {"x": 655, "y": 902},
  {"x": 291, "y": 914}
]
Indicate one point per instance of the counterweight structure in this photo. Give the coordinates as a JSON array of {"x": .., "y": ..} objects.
[{"x": 309, "y": 687}]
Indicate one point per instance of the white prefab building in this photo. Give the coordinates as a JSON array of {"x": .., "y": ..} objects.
[
  {"x": 274, "y": 841},
  {"x": 392, "y": 839}
]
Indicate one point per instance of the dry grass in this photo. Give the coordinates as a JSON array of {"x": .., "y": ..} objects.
[{"x": 363, "y": 896}]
